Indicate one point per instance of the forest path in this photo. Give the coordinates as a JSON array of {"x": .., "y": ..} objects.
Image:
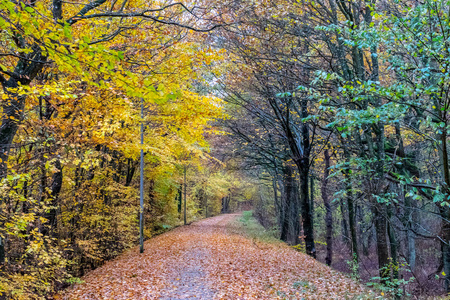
[{"x": 215, "y": 258}]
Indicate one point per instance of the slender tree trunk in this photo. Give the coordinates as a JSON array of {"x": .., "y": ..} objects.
[
  {"x": 378, "y": 183},
  {"x": 283, "y": 220},
  {"x": 225, "y": 204},
  {"x": 2, "y": 250},
  {"x": 206, "y": 205},
  {"x": 352, "y": 224},
  {"x": 351, "y": 209},
  {"x": 445, "y": 212},
  {"x": 411, "y": 246},
  {"x": 185, "y": 195},
  {"x": 180, "y": 199},
  {"x": 293, "y": 210},
  {"x": 446, "y": 247},
  {"x": 276, "y": 199},
  {"x": 131, "y": 167},
  {"x": 408, "y": 201},
  {"x": 52, "y": 214},
  {"x": 328, "y": 214},
  {"x": 290, "y": 226},
  {"x": 362, "y": 225},
  {"x": 311, "y": 195},
  {"x": 344, "y": 225},
  {"x": 303, "y": 167},
  {"x": 307, "y": 219},
  {"x": 393, "y": 245},
  {"x": 382, "y": 243}
]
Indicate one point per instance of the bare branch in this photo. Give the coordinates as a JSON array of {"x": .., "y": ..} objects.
[{"x": 87, "y": 8}]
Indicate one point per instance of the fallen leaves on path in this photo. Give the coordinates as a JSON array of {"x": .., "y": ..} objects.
[{"x": 211, "y": 259}]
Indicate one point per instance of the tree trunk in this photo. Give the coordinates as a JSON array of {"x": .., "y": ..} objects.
[
  {"x": 328, "y": 214},
  {"x": 393, "y": 245},
  {"x": 131, "y": 167},
  {"x": 446, "y": 248},
  {"x": 344, "y": 225},
  {"x": 311, "y": 195},
  {"x": 351, "y": 209},
  {"x": 185, "y": 195},
  {"x": 293, "y": 208},
  {"x": 408, "y": 168},
  {"x": 303, "y": 167},
  {"x": 411, "y": 247},
  {"x": 180, "y": 199},
  {"x": 57, "y": 178},
  {"x": 290, "y": 228},
  {"x": 206, "y": 205},
  {"x": 27, "y": 68},
  {"x": 382, "y": 243},
  {"x": 276, "y": 199},
  {"x": 307, "y": 219},
  {"x": 283, "y": 218}
]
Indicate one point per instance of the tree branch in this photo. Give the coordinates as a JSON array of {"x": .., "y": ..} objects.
[
  {"x": 87, "y": 8},
  {"x": 143, "y": 14}
]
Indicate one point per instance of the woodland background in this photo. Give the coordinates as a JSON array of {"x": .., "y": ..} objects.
[{"x": 330, "y": 118}]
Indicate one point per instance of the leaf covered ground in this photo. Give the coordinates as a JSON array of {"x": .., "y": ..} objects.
[{"x": 216, "y": 258}]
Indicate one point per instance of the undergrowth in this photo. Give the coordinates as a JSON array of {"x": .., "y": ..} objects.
[{"x": 250, "y": 227}]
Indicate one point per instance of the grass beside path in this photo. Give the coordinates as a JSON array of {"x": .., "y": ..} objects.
[{"x": 248, "y": 226}]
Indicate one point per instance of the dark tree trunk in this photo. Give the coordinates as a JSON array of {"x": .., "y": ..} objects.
[
  {"x": 344, "y": 225},
  {"x": 328, "y": 215},
  {"x": 185, "y": 195},
  {"x": 446, "y": 247},
  {"x": 294, "y": 215},
  {"x": 206, "y": 205},
  {"x": 382, "y": 243},
  {"x": 225, "y": 204},
  {"x": 311, "y": 195},
  {"x": 131, "y": 167},
  {"x": 393, "y": 245},
  {"x": 25, "y": 71},
  {"x": 408, "y": 168},
  {"x": 299, "y": 143},
  {"x": 352, "y": 224},
  {"x": 302, "y": 160},
  {"x": 51, "y": 215},
  {"x": 290, "y": 229},
  {"x": 180, "y": 198},
  {"x": 12, "y": 114},
  {"x": 364, "y": 233},
  {"x": 308, "y": 230},
  {"x": 351, "y": 209},
  {"x": 2, "y": 250},
  {"x": 283, "y": 218},
  {"x": 116, "y": 165},
  {"x": 151, "y": 209},
  {"x": 276, "y": 198}
]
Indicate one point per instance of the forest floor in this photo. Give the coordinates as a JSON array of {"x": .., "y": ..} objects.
[{"x": 224, "y": 257}]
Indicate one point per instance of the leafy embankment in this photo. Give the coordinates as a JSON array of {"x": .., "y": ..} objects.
[{"x": 225, "y": 257}]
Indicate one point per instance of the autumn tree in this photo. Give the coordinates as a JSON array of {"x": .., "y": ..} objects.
[{"x": 73, "y": 76}]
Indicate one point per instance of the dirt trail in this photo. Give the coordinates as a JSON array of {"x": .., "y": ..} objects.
[{"x": 212, "y": 259}]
